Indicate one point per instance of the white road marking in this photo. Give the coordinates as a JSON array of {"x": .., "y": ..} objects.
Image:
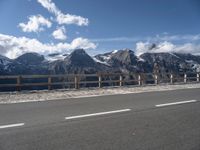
[
  {"x": 176, "y": 103},
  {"x": 97, "y": 114},
  {"x": 12, "y": 125}
]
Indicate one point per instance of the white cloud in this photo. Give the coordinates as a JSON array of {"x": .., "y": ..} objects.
[
  {"x": 72, "y": 19},
  {"x": 82, "y": 43},
  {"x": 50, "y": 6},
  {"x": 167, "y": 47},
  {"x": 62, "y": 18},
  {"x": 35, "y": 24},
  {"x": 12, "y": 47},
  {"x": 60, "y": 33}
]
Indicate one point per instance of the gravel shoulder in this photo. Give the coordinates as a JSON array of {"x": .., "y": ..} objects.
[{"x": 36, "y": 96}]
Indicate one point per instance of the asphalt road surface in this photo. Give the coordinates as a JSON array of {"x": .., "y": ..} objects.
[{"x": 167, "y": 120}]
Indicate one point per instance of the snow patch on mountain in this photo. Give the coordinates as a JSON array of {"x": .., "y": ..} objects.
[
  {"x": 106, "y": 57},
  {"x": 140, "y": 59},
  {"x": 174, "y": 55},
  {"x": 54, "y": 58},
  {"x": 101, "y": 62},
  {"x": 115, "y": 51}
]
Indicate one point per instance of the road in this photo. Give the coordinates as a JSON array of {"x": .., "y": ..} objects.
[{"x": 168, "y": 120}]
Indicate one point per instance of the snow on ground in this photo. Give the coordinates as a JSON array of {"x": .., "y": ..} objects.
[{"x": 35, "y": 96}]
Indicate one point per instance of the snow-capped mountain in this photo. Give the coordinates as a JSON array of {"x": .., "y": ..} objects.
[
  {"x": 173, "y": 62},
  {"x": 29, "y": 63},
  {"x": 124, "y": 61},
  {"x": 79, "y": 61}
]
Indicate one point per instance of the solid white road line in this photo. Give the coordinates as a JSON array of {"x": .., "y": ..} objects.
[
  {"x": 97, "y": 114},
  {"x": 176, "y": 103},
  {"x": 12, "y": 125}
]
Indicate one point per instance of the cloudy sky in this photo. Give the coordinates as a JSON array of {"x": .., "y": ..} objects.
[{"x": 52, "y": 26}]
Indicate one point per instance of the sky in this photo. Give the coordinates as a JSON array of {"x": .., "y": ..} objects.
[{"x": 60, "y": 26}]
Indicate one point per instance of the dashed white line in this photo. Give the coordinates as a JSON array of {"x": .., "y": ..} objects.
[
  {"x": 176, "y": 103},
  {"x": 97, "y": 114},
  {"x": 12, "y": 125}
]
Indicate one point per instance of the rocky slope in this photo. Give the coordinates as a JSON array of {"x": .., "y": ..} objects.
[{"x": 4, "y": 63}]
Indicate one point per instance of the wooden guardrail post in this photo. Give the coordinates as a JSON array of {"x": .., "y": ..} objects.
[
  {"x": 120, "y": 80},
  {"x": 19, "y": 83},
  {"x": 49, "y": 83},
  {"x": 139, "y": 80},
  {"x": 156, "y": 79},
  {"x": 185, "y": 78},
  {"x": 100, "y": 81},
  {"x": 76, "y": 82},
  {"x": 197, "y": 77},
  {"x": 171, "y": 79}
]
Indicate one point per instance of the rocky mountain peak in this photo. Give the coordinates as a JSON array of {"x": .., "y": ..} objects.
[
  {"x": 79, "y": 58},
  {"x": 124, "y": 57},
  {"x": 30, "y": 59}
]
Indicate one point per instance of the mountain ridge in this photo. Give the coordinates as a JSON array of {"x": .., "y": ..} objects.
[{"x": 118, "y": 61}]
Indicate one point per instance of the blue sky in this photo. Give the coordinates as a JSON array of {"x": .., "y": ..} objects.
[{"x": 98, "y": 25}]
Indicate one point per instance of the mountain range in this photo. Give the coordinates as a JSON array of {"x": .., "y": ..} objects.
[{"x": 118, "y": 61}]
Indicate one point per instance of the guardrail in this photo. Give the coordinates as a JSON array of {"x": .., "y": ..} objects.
[{"x": 100, "y": 80}]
